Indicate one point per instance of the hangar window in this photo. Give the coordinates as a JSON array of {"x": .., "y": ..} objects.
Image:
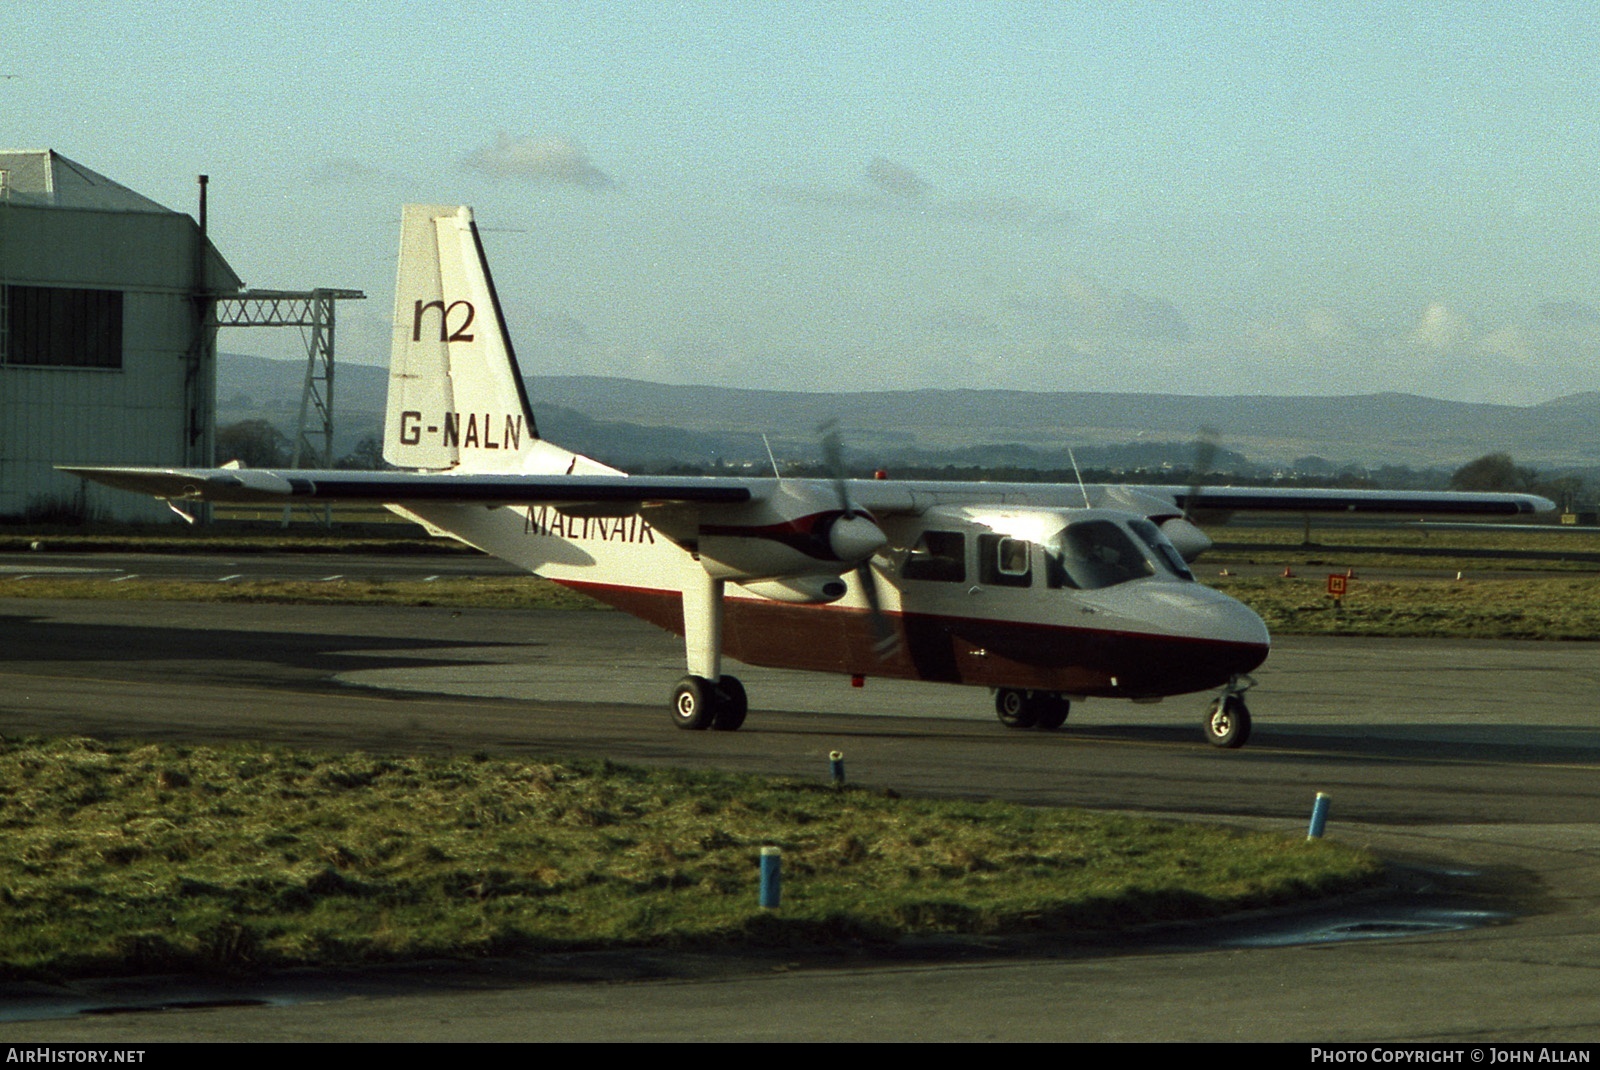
[{"x": 57, "y": 327}]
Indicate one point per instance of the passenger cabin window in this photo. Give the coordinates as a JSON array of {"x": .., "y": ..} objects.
[
  {"x": 1094, "y": 553},
  {"x": 1004, "y": 561},
  {"x": 938, "y": 555}
]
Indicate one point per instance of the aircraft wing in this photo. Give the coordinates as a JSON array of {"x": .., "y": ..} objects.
[
  {"x": 261, "y": 485},
  {"x": 257, "y": 485},
  {"x": 1308, "y": 500}
]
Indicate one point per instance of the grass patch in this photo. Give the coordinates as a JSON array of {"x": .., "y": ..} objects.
[
  {"x": 1544, "y": 548},
  {"x": 129, "y": 857},
  {"x": 1534, "y": 607}
]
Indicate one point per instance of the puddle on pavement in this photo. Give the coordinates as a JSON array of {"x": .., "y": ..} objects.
[
  {"x": 1376, "y": 926},
  {"x": 28, "y": 1010}
]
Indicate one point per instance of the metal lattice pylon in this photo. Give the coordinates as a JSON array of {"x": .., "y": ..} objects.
[{"x": 311, "y": 311}]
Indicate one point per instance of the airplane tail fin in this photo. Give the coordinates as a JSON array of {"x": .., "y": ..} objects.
[{"x": 456, "y": 395}]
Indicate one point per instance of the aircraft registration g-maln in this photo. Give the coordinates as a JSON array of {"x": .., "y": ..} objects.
[{"x": 1045, "y": 594}]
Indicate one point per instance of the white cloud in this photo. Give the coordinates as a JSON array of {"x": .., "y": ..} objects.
[
  {"x": 547, "y": 159},
  {"x": 1508, "y": 343},
  {"x": 344, "y": 171},
  {"x": 1440, "y": 329},
  {"x": 1089, "y": 308}
]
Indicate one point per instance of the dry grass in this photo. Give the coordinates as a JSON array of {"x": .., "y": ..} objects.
[
  {"x": 129, "y": 857},
  {"x": 1543, "y": 548},
  {"x": 1536, "y": 607}
]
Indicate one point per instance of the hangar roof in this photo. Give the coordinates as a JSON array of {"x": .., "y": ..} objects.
[
  {"x": 45, "y": 178},
  {"x": 62, "y": 224}
]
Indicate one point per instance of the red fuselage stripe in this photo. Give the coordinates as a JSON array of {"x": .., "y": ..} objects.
[{"x": 953, "y": 649}]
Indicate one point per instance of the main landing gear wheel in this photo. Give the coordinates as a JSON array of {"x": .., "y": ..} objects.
[
  {"x": 731, "y": 706},
  {"x": 1052, "y": 712},
  {"x": 1227, "y": 722},
  {"x": 1030, "y": 709},
  {"x": 1015, "y": 708},
  {"x": 698, "y": 704}
]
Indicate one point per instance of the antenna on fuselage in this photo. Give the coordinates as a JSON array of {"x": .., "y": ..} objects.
[
  {"x": 1081, "y": 488},
  {"x": 776, "y": 474}
]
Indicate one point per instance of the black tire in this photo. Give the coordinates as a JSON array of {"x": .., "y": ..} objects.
[
  {"x": 694, "y": 703},
  {"x": 1016, "y": 709},
  {"x": 731, "y": 705},
  {"x": 1227, "y": 723},
  {"x": 1052, "y": 712}
]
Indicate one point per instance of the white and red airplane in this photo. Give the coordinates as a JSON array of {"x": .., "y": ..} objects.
[{"x": 1043, "y": 593}]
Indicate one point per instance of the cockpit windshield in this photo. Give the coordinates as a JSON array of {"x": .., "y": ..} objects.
[
  {"x": 1157, "y": 540},
  {"x": 1094, "y": 553}
]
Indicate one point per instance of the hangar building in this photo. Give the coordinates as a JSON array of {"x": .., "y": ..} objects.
[{"x": 107, "y": 348}]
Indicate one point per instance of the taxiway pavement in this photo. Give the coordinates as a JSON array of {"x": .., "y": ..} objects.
[{"x": 1475, "y": 764}]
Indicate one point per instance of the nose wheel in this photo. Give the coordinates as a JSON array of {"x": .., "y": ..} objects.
[{"x": 1227, "y": 722}]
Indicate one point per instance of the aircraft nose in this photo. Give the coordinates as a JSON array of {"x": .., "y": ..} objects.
[
  {"x": 1199, "y": 612},
  {"x": 1236, "y": 622},
  {"x": 1189, "y": 638}
]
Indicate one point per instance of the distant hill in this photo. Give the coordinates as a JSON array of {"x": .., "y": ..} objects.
[{"x": 627, "y": 421}]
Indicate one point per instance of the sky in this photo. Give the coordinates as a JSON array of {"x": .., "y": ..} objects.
[{"x": 1225, "y": 199}]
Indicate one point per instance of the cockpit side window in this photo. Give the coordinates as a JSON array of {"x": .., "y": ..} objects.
[
  {"x": 1094, "y": 553},
  {"x": 1157, "y": 540},
  {"x": 1004, "y": 561},
  {"x": 938, "y": 555}
]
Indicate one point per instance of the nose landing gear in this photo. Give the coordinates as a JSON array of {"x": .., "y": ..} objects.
[{"x": 1227, "y": 721}]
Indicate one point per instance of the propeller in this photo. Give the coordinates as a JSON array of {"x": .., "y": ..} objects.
[
  {"x": 1184, "y": 531},
  {"x": 1206, "y": 443},
  {"x": 855, "y": 536}
]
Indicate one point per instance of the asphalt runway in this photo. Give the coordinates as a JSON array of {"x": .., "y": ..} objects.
[
  {"x": 225, "y": 568},
  {"x": 1474, "y": 766}
]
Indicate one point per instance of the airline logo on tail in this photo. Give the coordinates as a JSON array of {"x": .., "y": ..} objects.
[{"x": 469, "y": 313}]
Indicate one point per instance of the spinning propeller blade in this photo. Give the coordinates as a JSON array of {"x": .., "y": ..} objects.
[
  {"x": 851, "y": 535},
  {"x": 1208, "y": 441}
]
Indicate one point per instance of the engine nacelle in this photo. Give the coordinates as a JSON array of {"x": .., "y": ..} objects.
[
  {"x": 800, "y": 531},
  {"x": 801, "y": 590},
  {"x": 1186, "y": 538},
  {"x": 829, "y": 542}
]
